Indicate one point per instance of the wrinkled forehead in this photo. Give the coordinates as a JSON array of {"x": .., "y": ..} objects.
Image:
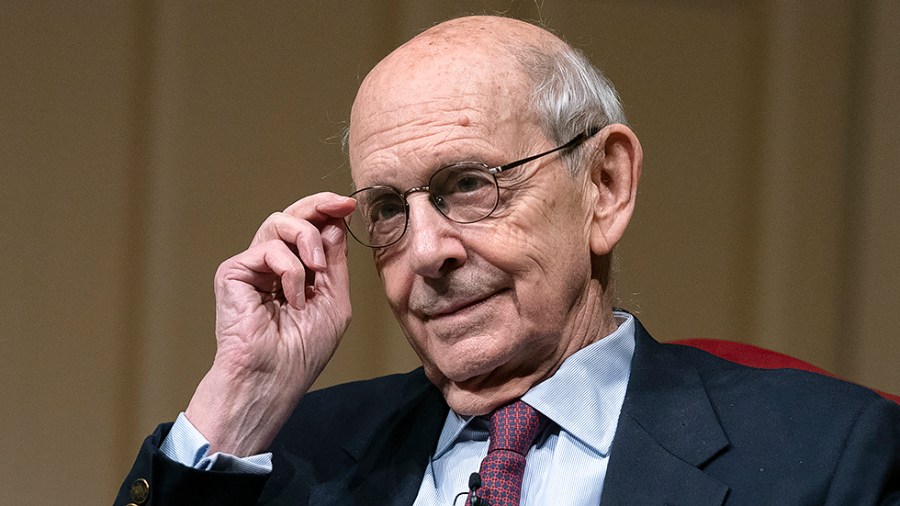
[{"x": 427, "y": 103}]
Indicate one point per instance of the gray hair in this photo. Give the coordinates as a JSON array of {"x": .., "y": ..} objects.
[{"x": 570, "y": 95}]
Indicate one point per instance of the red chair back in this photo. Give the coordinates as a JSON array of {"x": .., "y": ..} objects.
[{"x": 754, "y": 356}]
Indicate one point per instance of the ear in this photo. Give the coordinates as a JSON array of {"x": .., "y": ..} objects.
[{"x": 614, "y": 177}]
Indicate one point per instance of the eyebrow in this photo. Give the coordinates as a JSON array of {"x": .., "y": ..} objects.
[{"x": 479, "y": 160}]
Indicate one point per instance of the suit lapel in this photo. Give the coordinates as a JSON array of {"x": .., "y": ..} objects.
[
  {"x": 666, "y": 432},
  {"x": 390, "y": 458}
]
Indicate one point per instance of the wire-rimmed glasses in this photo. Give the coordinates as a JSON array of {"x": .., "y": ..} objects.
[{"x": 463, "y": 192}]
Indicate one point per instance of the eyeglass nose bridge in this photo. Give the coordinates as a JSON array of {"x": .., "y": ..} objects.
[
  {"x": 431, "y": 199},
  {"x": 415, "y": 189}
]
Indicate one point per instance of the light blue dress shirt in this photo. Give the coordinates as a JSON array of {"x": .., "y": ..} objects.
[
  {"x": 186, "y": 445},
  {"x": 567, "y": 465}
]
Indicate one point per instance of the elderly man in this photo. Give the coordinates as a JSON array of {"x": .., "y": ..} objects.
[{"x": 495, "y": 176}]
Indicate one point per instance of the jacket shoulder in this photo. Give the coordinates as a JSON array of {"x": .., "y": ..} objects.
[
  {"x": 349, "y": 428},
  {"x": 792, "y": 387},
  {"x": 355, "y": 406},
  {"x": 787, "y": 426}
]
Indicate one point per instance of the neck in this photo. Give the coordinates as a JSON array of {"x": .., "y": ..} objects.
[{"x": 591, "y": 319}]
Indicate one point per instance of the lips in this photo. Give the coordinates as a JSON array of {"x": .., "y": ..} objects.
[{"x": 449, "y": 307}]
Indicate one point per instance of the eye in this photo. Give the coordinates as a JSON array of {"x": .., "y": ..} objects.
[
  {"x": 469, "y": 183},
  {"x": 385, "y": 208},
  {"x": 456, "y": 181},
  {"x": 464, "y": 193}
]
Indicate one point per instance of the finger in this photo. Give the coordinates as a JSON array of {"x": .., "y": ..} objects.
[
  {"x": 336, "y": 279},
  {"x": 256, "y": 266},
  {"x": 299, "y": 233},
  {"x": 334, "y": 239},
  {"x": 320, "y": 207}
]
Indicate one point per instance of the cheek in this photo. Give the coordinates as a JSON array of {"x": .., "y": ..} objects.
[
  {"x": 547, "y": 253},
  {"x": 397, "y": 282},
  {"x": 538, "y": 239}
]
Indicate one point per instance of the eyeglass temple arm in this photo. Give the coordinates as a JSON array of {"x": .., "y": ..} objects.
[{"x": 578, "y": 139}]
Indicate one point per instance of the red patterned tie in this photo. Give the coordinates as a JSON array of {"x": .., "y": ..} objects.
[{"x": 513, "y": 429}]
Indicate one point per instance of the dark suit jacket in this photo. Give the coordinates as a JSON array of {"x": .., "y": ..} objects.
[{"x": 694, "y": 430}]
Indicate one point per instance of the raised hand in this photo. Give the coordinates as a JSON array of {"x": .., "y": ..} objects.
[{"x": 282, "y": 307}]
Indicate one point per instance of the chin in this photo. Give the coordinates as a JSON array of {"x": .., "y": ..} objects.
[
  {"x": 479, "y": 402},
  {"x": 478, "y": 395}
]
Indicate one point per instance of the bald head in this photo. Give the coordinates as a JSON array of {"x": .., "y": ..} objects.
[
  {"x": 546, "y": 80},
  {"x": 472, "y": 41},
  {"x": 462, "y": 58},
  {"x": 485, "y": 34}
]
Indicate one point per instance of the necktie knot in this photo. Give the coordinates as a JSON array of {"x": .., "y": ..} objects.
[{"x": 514, "y": 427}]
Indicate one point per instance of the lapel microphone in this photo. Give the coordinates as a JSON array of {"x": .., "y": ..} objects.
[{"x": 474, "y": 485}]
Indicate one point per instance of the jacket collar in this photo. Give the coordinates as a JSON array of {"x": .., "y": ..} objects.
[
  {"x": 390, "y": 459},
  {"x": 666, "y": 432}
]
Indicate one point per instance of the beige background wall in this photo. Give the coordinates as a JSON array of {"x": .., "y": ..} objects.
[{"x": 142, "y": 142}]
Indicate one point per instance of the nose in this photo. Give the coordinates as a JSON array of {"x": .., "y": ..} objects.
[{"x": 434, "y": 246}]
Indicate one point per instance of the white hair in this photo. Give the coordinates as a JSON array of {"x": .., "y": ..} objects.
[{"x": 570, "y": 95}]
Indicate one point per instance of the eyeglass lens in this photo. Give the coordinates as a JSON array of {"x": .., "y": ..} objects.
[{"x": 463, "y": 193}]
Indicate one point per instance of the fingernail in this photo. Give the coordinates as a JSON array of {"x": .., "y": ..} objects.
[{"x": 319, "y": 257}]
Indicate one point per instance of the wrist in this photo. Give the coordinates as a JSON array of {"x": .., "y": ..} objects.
[{"x": 240, "y": 415}]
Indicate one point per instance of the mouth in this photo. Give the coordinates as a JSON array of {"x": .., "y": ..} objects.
[{"x": 457, "y": 307}]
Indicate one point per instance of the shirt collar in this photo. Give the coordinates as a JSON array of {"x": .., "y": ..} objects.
[
  {"x": 584, "y": 397},
  {"x": 460, "y": 428}
]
